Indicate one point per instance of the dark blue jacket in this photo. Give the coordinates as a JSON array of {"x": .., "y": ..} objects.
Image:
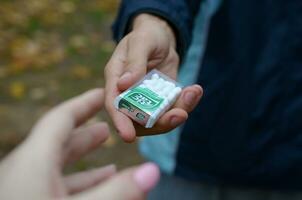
[{"x": 248, "y": 128}]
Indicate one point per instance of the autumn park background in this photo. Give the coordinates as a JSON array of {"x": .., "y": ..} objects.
[{"x": 51, "y": 50}]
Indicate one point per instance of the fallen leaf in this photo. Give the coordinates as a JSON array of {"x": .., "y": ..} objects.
[
  {"x": 67, "y": 7},
  {"x": 78, "y": 42},
  {"x": 108, "y": 46},
  {"x": 37, "y": 94},
  {"x": 81, "y": 72},
  {"x": 17, "y": 89},
  {"x": 3, "y": 72}
]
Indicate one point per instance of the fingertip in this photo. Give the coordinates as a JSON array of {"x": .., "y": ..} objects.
[
  {"x": 189, "y": 98},
  {"x": 125, "y": 128},
  {"x": 176, "y": 112},
  {"x": 171, "y": 119},
  {"x": 176, "y": 121},
  {"x": 177, "y": 117},
  {"x": 96, "y": 93},
  {"x": 196, "y": 89},
  {"x": 199, "y": 89},
  {"x": 146, "y": 176},
  {"x": 128, "y": 137}
]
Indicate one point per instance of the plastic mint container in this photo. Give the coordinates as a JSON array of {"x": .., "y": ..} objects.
[{"x": 148, "y": 99}]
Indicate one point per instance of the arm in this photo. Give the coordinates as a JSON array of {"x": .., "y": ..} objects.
[
  {"x": 34, "y": 169},
  {"x": 179, "y": 14}
]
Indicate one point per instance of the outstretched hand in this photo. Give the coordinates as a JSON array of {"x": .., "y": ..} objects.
[
  {"x": 34, "y": 170},
  {"x": 151, "y": 44}
]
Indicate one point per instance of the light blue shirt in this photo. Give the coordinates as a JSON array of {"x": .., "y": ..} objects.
[{"x": 162, "y": 149}]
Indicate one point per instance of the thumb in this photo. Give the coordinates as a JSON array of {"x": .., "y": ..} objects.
[
  {"x": 138, "y": 51},
  {"x": 133, "y": 183}
]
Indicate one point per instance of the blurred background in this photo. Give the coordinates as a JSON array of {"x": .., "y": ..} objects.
[{"x": 51, "y": 50}]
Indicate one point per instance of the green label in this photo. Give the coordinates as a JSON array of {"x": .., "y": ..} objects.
[
  {"x": 126, "y": 105},
  {"x": 144, "y": 99}
]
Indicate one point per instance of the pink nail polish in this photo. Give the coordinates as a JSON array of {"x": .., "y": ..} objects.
[{"x": 147, "y": 176}]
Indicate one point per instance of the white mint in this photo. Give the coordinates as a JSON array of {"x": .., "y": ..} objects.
[
  {"x": 167, "y": 91},
  {"x": 155, "y": 76},
  {"x": 163, "y": 88},
  {"x": 142, "y": 86},
  {"x": 168, "y": 83},
  {"x": 177, "y": 90},
  {"x": 170, "y": 97},
  {"x": 165, "y": 103},
  {"x": 148, "y": 82},
  {"x": 161, "y": 93},
  {"x": 162, "y": 82}
]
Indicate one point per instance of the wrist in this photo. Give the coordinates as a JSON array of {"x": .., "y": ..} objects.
[{"x": 143, "y": 20}]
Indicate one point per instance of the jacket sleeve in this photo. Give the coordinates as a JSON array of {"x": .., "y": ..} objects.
[{"x": 179, "y": 14}]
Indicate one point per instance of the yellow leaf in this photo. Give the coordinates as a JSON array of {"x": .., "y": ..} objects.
[
  {"x": 57, "y": 55},
  {"x": 109, "y": 5},
  {"x": 67, "y": 6},
  {"x": 81, "y": 72},
  {"x": 18, "y": 66},
  {"x": 17, "y": 89},
  {"x": 108, "y": 46},
  {"x": 3, "y": 72},
  {"x": 78, "y": 41}
]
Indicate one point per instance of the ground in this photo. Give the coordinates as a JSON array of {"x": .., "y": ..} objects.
[{"x": 51, "y": 50}]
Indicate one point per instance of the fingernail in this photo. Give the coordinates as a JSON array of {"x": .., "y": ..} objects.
[
  {"x": 175, "y": 121},
  {"x": 147, "y": 176},
  {"x": 190, "y": 98},
  {"x": 129, "y": 138},
  {"x": 126, "y": 76}
]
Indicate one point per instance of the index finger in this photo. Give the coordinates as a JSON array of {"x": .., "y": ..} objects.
[
  {"x": 55, "y": 127},
  {"x": 113, "y": 71}
]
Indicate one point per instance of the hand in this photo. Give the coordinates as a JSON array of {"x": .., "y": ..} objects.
[
  {"x": 150, "y": 44},
  {"x": 34, "y": 170}
]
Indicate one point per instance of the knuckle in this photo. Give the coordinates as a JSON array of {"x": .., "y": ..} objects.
[{"x": 142, "y": 34}]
